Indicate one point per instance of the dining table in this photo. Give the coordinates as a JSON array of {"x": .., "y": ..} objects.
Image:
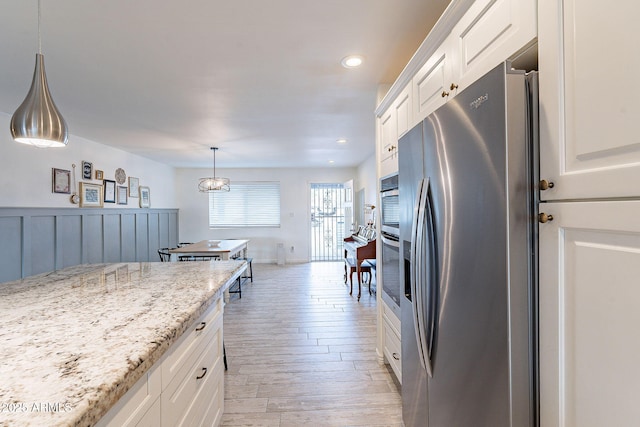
[{"x": 224, "y": 249}]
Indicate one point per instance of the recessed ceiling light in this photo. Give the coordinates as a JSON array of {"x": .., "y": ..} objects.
[
  {"x": 341, "y": 140},
  {"x": 352, "y": 61},
  {"x": 331, "y": 162}
]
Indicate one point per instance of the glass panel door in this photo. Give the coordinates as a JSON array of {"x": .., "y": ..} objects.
[{"x": 327, "y": 221}]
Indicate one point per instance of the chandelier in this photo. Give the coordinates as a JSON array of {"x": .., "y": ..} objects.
[{"x": 215, "y": 183}]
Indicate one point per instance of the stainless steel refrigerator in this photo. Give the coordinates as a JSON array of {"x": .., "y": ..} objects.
[{"x": 468, "y": 262}]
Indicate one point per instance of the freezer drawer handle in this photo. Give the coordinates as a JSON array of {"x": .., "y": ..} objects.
[{"x": 204, "y": 372}]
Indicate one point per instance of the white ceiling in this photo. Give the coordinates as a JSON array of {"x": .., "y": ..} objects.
[{"x": 261, "y": 79}]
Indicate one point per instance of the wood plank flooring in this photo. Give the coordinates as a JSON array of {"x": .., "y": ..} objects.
[{"x": 301, "y": 351}]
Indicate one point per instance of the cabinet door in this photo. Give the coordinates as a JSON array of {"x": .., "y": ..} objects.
[
  {"x": 491, "y": 32},
  {"x": 388, "y": 142},
  {"x": 432, "y": 83},
  {"x": 589, "y": 143},
  {"x": 589, "y": 317},
  {"x": 403, "y": 113}
]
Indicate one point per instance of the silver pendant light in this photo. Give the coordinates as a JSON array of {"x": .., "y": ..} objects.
[
  {"x": 37, "y": 120},
  {"x": 214, "y": 183}
]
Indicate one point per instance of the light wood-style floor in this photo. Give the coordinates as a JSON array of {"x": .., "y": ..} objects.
[{"x": 301, "y": 351}]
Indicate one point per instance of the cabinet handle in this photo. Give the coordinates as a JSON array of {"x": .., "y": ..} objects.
[
  {"x": 204, "y": 372},
  {"x": 453, "y": 86},
  {"x": 201, "y": 327},
  {"x": 390, "y": 149},
  {"x": 395, "y": 356},
  {"x": 544, "y": 218},
  {"x": 445, "y": 93},
  {"x": 545, "y": 185}
]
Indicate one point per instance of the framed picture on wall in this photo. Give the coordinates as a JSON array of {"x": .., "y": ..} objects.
[
  {"x": 109, "y": 191},
  {"x": 134, "y": 183},
  {"x": 122, "y": 195},
  {"x": 90, "y": 195},
  {"x": 145, "y": 201},
  {"x": 99, "y": 174},
  {"x": 87, "y": 170},
  {"x": 61, "y": 181}
]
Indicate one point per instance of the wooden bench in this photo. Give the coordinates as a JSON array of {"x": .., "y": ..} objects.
[{"x": 350, "y": 267}]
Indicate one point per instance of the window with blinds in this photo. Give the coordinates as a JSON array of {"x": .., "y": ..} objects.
[{"x": 248, "y": 204}]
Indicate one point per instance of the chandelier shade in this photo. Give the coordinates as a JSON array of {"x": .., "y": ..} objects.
[{"x": 214, "y": 183}]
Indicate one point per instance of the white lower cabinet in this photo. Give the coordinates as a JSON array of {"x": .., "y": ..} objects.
[
  {"x": 185, "y": 387},
  {"x": 589, "y": 314},
  {"x": 392, "y": 343}
]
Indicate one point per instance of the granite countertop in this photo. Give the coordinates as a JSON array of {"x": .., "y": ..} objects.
[{"x": 72, "y": 342}]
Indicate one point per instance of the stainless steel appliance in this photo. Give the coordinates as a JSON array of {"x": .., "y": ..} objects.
[
  {"x": 390, "y": 270},
  {"x": 389, "y": 236},
  {"x": 389, "y": 205},
  {"x": 466, "y": 235}
]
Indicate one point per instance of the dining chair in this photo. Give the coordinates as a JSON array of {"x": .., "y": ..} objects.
[{"x": 164, "y": 254}]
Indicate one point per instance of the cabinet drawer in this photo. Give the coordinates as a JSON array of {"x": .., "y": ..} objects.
[
  {"x": 192, "y": 340},
  {"x": 392, "y": 350},
  {"x": 184, "y": 397},
  {"x": 390, "y": 317},
  {"x": 138, "y": 404}
]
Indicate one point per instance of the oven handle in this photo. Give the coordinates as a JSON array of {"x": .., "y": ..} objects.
[{"x": 390, "y": 242}]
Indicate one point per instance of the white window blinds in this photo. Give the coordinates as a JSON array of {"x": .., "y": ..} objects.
[{"x": 248, "y": 204}]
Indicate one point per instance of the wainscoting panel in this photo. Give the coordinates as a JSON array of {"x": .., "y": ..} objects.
[
  {"x": 10, "y": 248},
  {"x": 68, "y": 241},
  {"x": 154, "y": 241},
  {"x": 111, "y": 238},
  {"x": 142, "y": 238},
  {"x": 128, "y": 236},
  {"x": 40, "y": 240},
  {"x": 43, "y": 244}
]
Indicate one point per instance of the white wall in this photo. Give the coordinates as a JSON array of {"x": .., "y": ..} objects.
[
  {"x": 294, "y": 229},
  {"x": 367, "y": 180},
  {"x": 26, "y": 171}
]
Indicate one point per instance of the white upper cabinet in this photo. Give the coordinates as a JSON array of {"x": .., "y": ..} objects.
[
  {"x": 433, "y": 83},
  {"x": 589, "y": 110},
  {"x": 403, "y": 112},
  {"x": 491, "y": 32},
  {"x": 387, "y": 142}
]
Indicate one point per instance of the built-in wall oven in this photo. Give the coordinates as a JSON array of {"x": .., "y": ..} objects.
[{"x": 389, "y": 235}]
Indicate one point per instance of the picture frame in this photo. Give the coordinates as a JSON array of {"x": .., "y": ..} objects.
[
  {"x": 145, "y": 197},
  {"x": 99, "y": 174},
  {"x": 122, "y": 194},
  {"x": 91, "y": 195},
  {"x": 87, "y": 170},
  {"x": 134, "y": 183},
  {"x": 109, "y": 191},
  {"x": 60, "y": 181}
]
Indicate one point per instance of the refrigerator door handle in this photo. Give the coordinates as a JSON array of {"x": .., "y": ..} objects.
[
  {"x": 426, "y": 263},
  {"x": 431, "y": 280},
  {"x": 415, "y": 263}
]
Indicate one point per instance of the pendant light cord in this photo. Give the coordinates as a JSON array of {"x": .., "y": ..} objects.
[{"x": 39, "y": 38}]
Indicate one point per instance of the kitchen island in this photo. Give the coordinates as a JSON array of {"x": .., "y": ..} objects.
[{"x": 74, "y": 341}]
